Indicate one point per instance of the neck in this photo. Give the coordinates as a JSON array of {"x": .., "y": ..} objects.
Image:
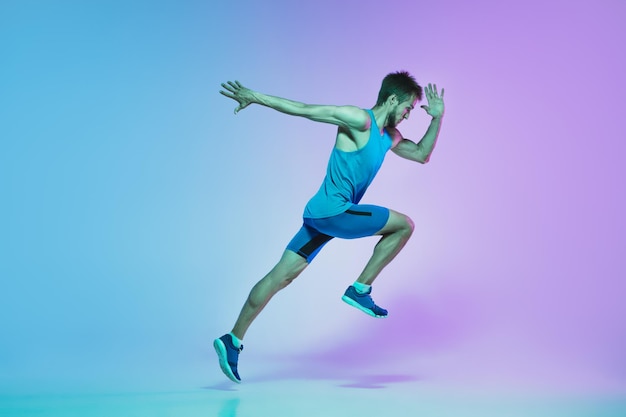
[{"x": 381, "y": 114}]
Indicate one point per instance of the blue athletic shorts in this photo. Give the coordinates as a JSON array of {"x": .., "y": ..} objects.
[{"x": 360, "y": 220}]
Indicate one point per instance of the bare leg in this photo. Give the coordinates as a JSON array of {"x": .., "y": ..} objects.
[
  {"x": 396, "y": 233},
  {"x": 285, "y": 271}
]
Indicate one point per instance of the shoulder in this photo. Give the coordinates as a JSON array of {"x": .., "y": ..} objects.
[
  {"x": 355, "y": 117},
  {"x": 348, "y": 117},
  {"x": 395, "y": 135}
]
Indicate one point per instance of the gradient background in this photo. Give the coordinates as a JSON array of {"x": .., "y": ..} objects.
[{"x": 137, "y": 210}]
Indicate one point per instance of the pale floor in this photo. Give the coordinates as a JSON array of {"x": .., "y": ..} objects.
[
  {"x": 309, "y": 390},
  {"x": 310, "y": 398}
]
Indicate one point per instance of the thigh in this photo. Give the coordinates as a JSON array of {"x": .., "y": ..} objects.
[
  {"x": 308, "y": 242},
  {"x": 360, "y": 220}
]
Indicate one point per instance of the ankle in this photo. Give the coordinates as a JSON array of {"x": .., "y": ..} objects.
[
  {"x": 236, "y": 341},
  {"x": 361, "y": 288}
]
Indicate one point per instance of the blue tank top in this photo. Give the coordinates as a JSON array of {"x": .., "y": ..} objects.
[{"x": 348, "y": 175}]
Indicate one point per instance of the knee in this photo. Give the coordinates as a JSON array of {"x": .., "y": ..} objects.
[
  {"x": 287, "y": 275},
  {"x": 286, "y": 270},
  {"x": 290, "y": 275},
  {"x": 409, "y": 226},
  {"x": 285, "y": 282}
]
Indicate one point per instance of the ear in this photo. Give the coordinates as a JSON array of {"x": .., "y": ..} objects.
[{"x": 392, "y": 99}]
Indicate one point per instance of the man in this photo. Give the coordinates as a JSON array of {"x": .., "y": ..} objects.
[{"x": 363, "y": 139}]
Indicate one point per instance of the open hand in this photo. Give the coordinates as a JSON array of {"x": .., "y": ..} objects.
[
  {"x": 435, "y": 107},
  {"x": 239, "y": 93}
]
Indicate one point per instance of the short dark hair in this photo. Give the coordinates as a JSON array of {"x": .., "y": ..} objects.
[{"x": 400, "y": 83}]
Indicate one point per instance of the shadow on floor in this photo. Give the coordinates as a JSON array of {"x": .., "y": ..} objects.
[{"x": 414, "y": 327}]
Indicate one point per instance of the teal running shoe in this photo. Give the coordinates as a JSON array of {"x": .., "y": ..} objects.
[
  {"x": 228, "y": 356},
  {"x": 363, "y": 302}
]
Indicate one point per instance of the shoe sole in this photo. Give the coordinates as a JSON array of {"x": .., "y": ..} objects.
[
  {"x": 220, "y": 349},
  {"x": 367, "y": 311}
]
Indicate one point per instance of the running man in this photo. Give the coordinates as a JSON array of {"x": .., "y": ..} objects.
[{"x": 363, "y": 139}]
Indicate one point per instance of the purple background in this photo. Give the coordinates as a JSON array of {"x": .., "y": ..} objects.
[{"x": 138, "y": 211}]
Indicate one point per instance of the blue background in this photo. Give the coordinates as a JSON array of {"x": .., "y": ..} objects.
[{"x": 137, "y": 210}]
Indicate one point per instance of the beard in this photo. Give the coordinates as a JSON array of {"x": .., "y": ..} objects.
[{"x": 392, "y": 121}]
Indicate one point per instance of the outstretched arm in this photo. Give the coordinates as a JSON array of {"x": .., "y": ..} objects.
[
  {"x": 350, "y": 117},
  {"x": 421, "y": 151}
]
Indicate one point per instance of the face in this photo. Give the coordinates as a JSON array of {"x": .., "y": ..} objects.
[{"x": 401, "y": 111}]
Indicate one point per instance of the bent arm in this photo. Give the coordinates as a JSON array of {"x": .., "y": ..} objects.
[
  {"x": 420, "y": 151},
  {"x": 349, "y": 117}
]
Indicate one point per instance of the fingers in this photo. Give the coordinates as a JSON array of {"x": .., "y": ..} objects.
[
  {"x": 230, "y": 87},
  {"x": 233, "y": 87},
  {"x": 431, "y": 91},
  {"x": 233, "y": 90},
  {"x": 229, "y": 95}
]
